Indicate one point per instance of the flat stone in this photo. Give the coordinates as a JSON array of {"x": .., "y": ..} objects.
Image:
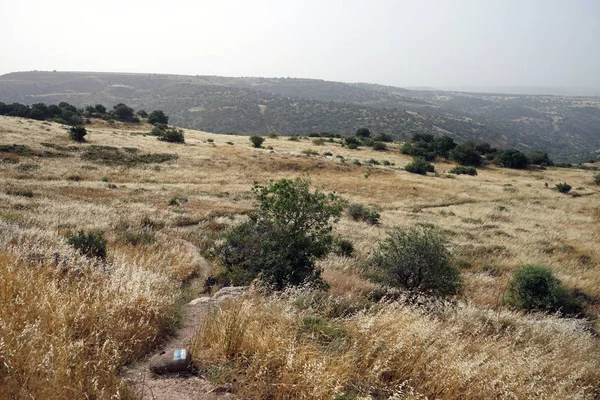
[
  {"x": 171, "y": 361},
  {"x": 199, "y": 300},
  {"x": 229, "y": 292}
]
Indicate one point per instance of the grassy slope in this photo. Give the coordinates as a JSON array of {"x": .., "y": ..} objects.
[{"x": 57, "y": 319}]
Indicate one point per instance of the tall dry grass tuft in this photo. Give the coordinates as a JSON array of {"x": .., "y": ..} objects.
[
  {"x": 282, "y": 351},
  {"x": 67, "y": 324}
]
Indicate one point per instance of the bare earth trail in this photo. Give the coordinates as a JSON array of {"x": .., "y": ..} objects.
[{"x": 148, "y": 386}]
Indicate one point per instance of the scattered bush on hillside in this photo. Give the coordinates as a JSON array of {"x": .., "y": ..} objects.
[
  {"x": 426, "y": 146},
  {"x": 512, "y": 158},
  {"x": 77, "y": 133},
  {"x": 419, "y": 166},
  {"x": 157, "y": 117},
  {"x": 124, "y": 113},
  {"x": 383, "y": 137},
  {"x": 351, "y": 142},
  {"x": 100, "y": 109},
  {"x": 280, "y": 243},
  {"x": 597, "y": 179},
  {"x": 359, "y": 212},
  {"x": 418, "y": 259},
  {"x": 363, "y": 133},
  {"x": 343, "y": 247},
  {"x": 310, "y": 152},
  {"x": 172, "y": 135},
  {"x": 466, "y": 154},
  {"x": 257, "y": 141},
  {"x": 462, "y": 170},
  {"x": 90, "y": 244},
  {"x": 534, "y": 287},
  {"x": 142, "y": 113},
  {"x": 319, "y": 142},
  {"x": 540, "y": 158},
  {"x": 563, "y": 187},
  {"x": 379, "y": 146}
]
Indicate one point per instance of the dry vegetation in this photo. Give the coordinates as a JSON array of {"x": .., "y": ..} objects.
[{"x": 67, "y": 323}]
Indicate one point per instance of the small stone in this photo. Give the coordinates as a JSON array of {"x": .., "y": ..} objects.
[
  {"x": 171, "y": 361},
  {"x": 229, "y": 292}
]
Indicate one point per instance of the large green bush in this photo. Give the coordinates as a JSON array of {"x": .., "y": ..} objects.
[
  {"x": 91, "y": 244},
  {"x": 283, "y": 238},
  {"x": 172, "y": 135},
  {"x": 419, "y": 166},
  {"x": 417, "y": 259},
  {"x": 462, "y": 170},
  {"x": 257, "y": 141},
  {"x": 466, "y": 154},
  {"x": 158, "y": 117},
  {"x": 512, "y": 158},
  {"x": 534, "y": 287},
  {"x": 77, "y": 133}
]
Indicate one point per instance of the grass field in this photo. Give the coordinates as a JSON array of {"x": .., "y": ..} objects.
[{"x": 67, "y": 323}]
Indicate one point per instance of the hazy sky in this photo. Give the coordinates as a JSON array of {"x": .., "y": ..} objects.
[{"x": 404, "y": 43}]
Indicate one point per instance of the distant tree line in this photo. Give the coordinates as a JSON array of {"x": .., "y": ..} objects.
[
  {"x": 68, "y": 114},
  {"x": 469, "y": 153}
]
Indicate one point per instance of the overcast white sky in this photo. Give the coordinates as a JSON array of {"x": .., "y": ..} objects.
[{"x": 437, "y": 43}]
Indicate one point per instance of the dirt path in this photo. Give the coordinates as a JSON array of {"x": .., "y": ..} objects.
[{"x": 148, "y": 386}]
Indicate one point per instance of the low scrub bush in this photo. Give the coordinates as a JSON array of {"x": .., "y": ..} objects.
[
  {"x": 90, "y": 244},
  {"x": 419, "y": 166},
  {"x": 343, "y": 247},
  {"x": 379, "y": 146},
  {"x": 417, "y": 259},
  {"x": 359, "y": 212},
  {"x": 534, "y": 287},
  {"x": 597, "y": 179},
  {"x": 462, "y": 170},
  {"x": 172, "y": 135},
  {"x": 19, "y": 192},
  {"x": 563, "y": 187},
  {"x": 310, "y": 152},
  {"x": 257, "y": 141},
  {"x": 77, "y": 133}
]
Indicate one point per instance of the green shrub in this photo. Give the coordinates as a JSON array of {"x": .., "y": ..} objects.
[
  {"x": 310, "y": 152},
  {"x": 512, "y": 158},
  {"x": 359, "y": 212},
  {"x": 534, "y": 287},
  {"x": 563, "y": 187},
  {"x": 343, "y": 247},
  {"x": 379, "y": 146},
  {"x": 91, "y": 244},
  {"x": 284, "y": 237},
  {"x": 294, "y": 138},
  {"x": 172, "y": 135},
  {"x": 272, "y": 136},
  {"x": 419, "y": 166},
  {"x": 20, "y": 192},
  {"x": 351, "y": 142},
  {"x": 257, "y": 141},
  {"x": 157, "y": 117},
  {"x": 363, "y": 133},
  {"x": 319, "y": 142},
  {"x": 597, "y": 179},
  {"x": 540, "y": 158},
  {"x": 462, "y": 170},
  {"x": 77, "y": 133},
  {"x": 466, "y": 154},
  {"x": 418, "y": 259}
]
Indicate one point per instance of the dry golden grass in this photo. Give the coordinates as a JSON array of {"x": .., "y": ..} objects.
[{"x": 497, "y": 221}]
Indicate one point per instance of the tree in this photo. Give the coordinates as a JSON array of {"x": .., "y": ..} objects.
[
  {"x": 540, "y": 158},
  {"x": 100, "y": 109},
  {"x": 417, "y": 259},
  {"x": 143, "y": 114},
  {"x": 158, "y": 117},
  {"x": 443, "y": 145},
  {"x": 257, "y": 141},
  {"x": 280, "y": 243},
  {"x": 363, "y": 133},
  {"x": 77, "y": 133},
  {"x": 513, "y": 158},
  {"x": 122, "y": 112},
  {"x": 39, "y": 111},
  {"x": 466, "y": 154}
]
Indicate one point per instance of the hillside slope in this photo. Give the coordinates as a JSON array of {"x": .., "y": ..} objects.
[{"x": 566, "y": 127}]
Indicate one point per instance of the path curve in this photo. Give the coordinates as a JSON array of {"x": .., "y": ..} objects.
[{"x": 146, "y": 385}]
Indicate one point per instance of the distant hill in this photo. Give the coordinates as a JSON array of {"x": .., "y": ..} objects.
[{"x": 566, "y": 127}]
